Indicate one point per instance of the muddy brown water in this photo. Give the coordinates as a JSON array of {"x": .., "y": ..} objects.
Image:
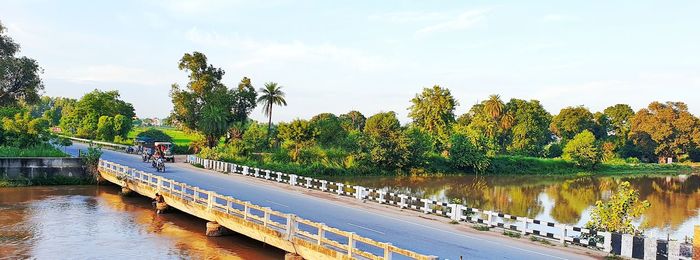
[
  {"x": 91, "y": 222},
  {"x": 675, "y": 200}
]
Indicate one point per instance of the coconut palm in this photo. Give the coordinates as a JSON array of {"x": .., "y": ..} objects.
[
  {"x": 494, "y": 106},
  {"x": 271, "y": 95}
]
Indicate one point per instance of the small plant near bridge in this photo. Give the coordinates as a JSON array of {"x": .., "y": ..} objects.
[
  {"x": 616, "y": 214},
  {"x": 481, "y": 227},
  {"x": 511, "y": 234}
]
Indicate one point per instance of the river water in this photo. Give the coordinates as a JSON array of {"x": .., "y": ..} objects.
[
  {"x": 675, "y": 200},
  {"x": 90, "y": 222}
]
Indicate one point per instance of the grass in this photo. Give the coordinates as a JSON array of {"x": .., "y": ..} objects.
[
  {"x": 511, "y": 234},
  {"x": 541, "y": 240},
  {"x": 481, "y": 227},
  {"x": 36, "y": 151}
]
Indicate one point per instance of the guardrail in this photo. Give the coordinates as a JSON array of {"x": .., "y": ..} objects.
[
  {"x": 291, "y": 226},
  {"x": 104, "y": 144},
  {"x": 619, "y": 244}
]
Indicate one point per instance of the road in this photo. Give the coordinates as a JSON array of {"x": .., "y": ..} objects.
[{"x": 412, "y": 233}]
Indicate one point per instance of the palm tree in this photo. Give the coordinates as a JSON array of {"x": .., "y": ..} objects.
[
  {"x": 494, "y": 106},
  {"x": 271, "y": 95}
]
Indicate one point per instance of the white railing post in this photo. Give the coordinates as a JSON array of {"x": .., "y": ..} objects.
[
  {"x": 351, "y": 243},
  {"x": 563, "y": 229},
  {"x": 293, "y": 180},
  {"x": 456, "y": 213},
  {"x": 291, "y": 226},
  {"x": 159, "y": 180},
  {"x": 402, "y": 202},
  {"x": 525, "y": 224},
  {"x": 324, "y": 184},
  {"x": 228, "y": 206},
  {"x": 359, "y": 192},
  {"x": 245, "y": 170},
  {"x": 489, "y": 216},
  {"x": 340, "y": 188},
  {"x": 279, "y": 177},
  {"x": 321, "y": 233},
  {"x": 308, "y": 183},
  {"x": 426, "y": 206},
  {"x": 266, "y": 217},
  {"x": 210, "y": 200},
  {"x": 607, "y": 242},
  {"x": 382, "y": 200},
  {"x": 246, "y": 210},
  {"x": 267, "y": 174},
  {"x": 387, "y": 251}
]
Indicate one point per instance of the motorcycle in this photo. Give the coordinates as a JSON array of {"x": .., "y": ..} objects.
[
  {"x": 145, "y": 157},
  {"x": 159, "y": 164}
]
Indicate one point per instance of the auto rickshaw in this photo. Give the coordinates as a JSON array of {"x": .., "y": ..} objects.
[{"x": 167, "y": 149}]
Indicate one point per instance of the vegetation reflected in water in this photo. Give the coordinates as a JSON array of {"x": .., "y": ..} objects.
[
  {"x": 675, "y": 200},
  {"x": 95, "y": 222}
]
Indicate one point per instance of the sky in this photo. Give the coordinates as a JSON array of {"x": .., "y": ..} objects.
[{"x": 370, "y": 56}]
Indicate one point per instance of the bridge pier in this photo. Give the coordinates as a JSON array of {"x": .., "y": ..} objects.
[
  {"x": 126, "y": 191},
  {"x": 215, "y": 229},
  {"x": 292, "y": 256}
]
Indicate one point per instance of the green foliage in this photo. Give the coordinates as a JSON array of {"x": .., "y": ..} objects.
[
  {"x": 530, "y": 132},
  {"x": 91, "y": 158},
  {"x": 22, "y": 131},
  {"x": 421, "y": 145},
  {"x": 385, "y": 146},
  {"x": 40, "y": 150},
  {"x": 353, "y": 121},
  {"x": 105, "y": 129},
  {"x": 155, "y": 135},
  {"x": 572, "y": 120},
  {"x": 270, "y": 96},
  {"x": 122, "y": 125},
  {"x": 330, "y": 130},
  {"x": 244, "y": 100},
  {"x": 255, "y": 138},
  {"x": 297, "y": 135},
  {"x": 481, "y": 227},
  {"x": 666, "y": 128},
  {"x": 433, "y": 111},
  {"x": 465, "y": 154},
  {"x": 619, "y": 117},
  {"x": 617, "y": 214},
  {"x": 19, "y": 76},
  {"x": 512, "y": 234},
  {"x": 582, "y": 150},
  {"x": 82, "y": 118}
]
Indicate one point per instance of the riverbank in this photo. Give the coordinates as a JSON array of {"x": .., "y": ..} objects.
[
  {"x": 500, "y": 165},
  {"x": 45, "y": 150},
  {"x": 42, "y": 181}
]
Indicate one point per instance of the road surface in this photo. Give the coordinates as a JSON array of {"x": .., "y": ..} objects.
[{"x": 409, "y": 232}]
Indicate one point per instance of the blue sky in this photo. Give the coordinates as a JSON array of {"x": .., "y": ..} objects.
[{"x": 371, "y": 56}]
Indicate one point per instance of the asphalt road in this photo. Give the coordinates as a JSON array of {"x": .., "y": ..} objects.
[{"x": 402, "y": 232}]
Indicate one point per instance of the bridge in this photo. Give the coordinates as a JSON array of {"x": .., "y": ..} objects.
[{"x": 353, "y": 227}]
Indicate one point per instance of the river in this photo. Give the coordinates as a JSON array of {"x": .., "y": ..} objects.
[
  {"x": 91, "y": 222},
  {"x": 675, "y": 200}
]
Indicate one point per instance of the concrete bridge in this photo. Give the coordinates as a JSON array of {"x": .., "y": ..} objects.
[{"x": 406, "y": 227}]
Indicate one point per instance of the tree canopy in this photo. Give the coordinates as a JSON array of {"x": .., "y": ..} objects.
[
  {"x": 19, "y": 76},
  {"x": 433, "y": 111}
]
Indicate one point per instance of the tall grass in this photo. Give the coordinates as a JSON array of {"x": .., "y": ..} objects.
[{"x": 44, "y": 150}]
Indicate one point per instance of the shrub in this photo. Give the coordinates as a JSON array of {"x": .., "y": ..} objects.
[
  {"x": 616, "y": 214},
  {"x": 582, "y": 150},
  {"x": 464, "y": 154},
  {"x": 155, "y": 135}
]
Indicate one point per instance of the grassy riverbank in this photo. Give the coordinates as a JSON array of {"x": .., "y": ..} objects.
[
  {"x": 45, "y": 150},
  {"x": 53, "y": 181}
]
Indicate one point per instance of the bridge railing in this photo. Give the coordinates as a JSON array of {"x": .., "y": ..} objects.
[
  {"x": 289, "y": 225},
  {"x": 114, "y": 146},
  {"x": 625, "y": 245}
]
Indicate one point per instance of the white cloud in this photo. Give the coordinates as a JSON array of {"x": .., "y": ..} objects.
[
  {"x": 464, "y": 20},
  {"x": 559, "y": 18},
  {"x": 407, "y": 17},
  {"x": 256, "y": 52}
]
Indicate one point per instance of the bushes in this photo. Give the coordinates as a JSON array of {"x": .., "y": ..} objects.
[
  {"x": 504, "y": 164},
  {"x": 41, "y": 150},
  {"x": 155, "y": 135},
  {"x": 582, "y": 150}
]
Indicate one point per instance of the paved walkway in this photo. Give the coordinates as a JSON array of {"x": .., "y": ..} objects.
[{"x": 403, "y": 230}]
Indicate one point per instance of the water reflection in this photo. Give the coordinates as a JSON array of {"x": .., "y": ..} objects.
[
  {"x": 675, "y": 200},
  {"x": 82, "y": 222}
]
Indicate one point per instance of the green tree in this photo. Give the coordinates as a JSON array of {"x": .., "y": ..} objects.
[
  {"x": 255, "y": 138},
  {"x": 421, "y": 145},
  {"x": 619, "y": 118},
  {"x": 582, "y": 150},
  {"x": 244, "y": 100},
  {"x": 19, "y": 76},
  {"x": 433, "y": 111},
  {"x": 572, "y": 120},
  {"x": 82, "y": 117},
  {"x": 205, "y": 105},
  {"x": 353, "y": 120},
  {"x": 330, "y": 130},
  {"x": 105, "y": 128},
  {"x": 385, "y": 146},
  {"x": 466, "y": 155},
  {"x": 617, "y": 214},
  {"x": 122, "y": 125},
  {"x": 24, "y": 131},
  {"x": 668, "y": 128},
  {"x": 530, "y": 132},
  {"x": 271, "y": 95},
  {"x": 296, "y": 136}
]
